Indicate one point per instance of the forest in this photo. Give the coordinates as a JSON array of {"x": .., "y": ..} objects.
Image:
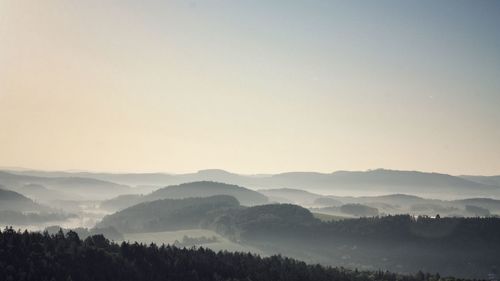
[
  {"x": 49, "y": 257},
  {"x": 464, "y": 247}
]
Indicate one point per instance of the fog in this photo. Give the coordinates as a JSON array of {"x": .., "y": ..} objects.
[
  {"x": 338, "y": 219},
  {"x": 241, "y": 140}
]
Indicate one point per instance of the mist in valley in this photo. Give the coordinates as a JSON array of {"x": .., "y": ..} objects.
[
  {"x": 345, "y": 140},
  {"x": 316, "y": 221}
]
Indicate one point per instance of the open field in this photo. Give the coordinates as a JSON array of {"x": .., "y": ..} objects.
[
  {"x": 328, "y": 217},
  {"x": 169, "y": 237}
]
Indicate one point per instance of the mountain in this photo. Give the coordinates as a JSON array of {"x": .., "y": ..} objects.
[
  {"x": 340, "y": 183},
  {"x": 41, "y": 193},
  {"x": 122, "y": 201},
  {"x": 13, "y": 201},
  {"x": 385, "y": 181},
  {"x": 221, "y": 212},
  {"x": 168, "y": 214},
  {"x": 305, "y": 198},
  {"x": 131, "y": 179},
  {"x": 192, "y": 189},
  {"x": 8, "y": 217},
  {"x": 327, "y": 201},
  {"x": 492, "y": 205},
  {"x": 289, "y": 195},
  {"x": 489, "y": 180},
  {"x": 359, "y": 210},
  {"x": 17, "y": 209},
  {"x": 466, "y": 247},
  {"x": 79, "y": 187},
  {"x": 392, "y": 199},
  {"x": 208, "y": 188},
  {"x": 138, "y": 179},
  {"x": 409, "y": 204},
  {"x": 260, "y": 223}
]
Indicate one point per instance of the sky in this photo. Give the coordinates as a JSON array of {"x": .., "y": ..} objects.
[{"x": 250, "y": 86}]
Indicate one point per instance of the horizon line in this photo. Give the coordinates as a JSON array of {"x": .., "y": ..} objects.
[{"x": 24, "y": 169}]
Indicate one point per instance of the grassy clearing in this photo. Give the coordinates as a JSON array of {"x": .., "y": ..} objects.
[
  {"x": 169, "y": 237},
  {"x": 327, "y": 217}
]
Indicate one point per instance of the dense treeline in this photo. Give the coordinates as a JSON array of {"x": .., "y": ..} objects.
[
  {"x": 471, "y": 232},
  {"x": 108, "y": 232},
  {"x": 286, "y": 220},
  {"x": 41, "y": 256},
  {"x": 464, "y": 247},
  {"x": 225, "y": 215}
]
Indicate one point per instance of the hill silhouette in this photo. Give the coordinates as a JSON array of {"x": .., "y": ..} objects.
[
  {"x": 186, "y": 190},
  {"x": 359, "y": 183}
]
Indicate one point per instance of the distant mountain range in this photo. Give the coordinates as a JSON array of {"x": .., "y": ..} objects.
[
  {"x": 69, "y": 186},
  {"x": 386, "y": 204},
  {"x": 359, "y": 183},
  {"x": 492, "y": 180}
]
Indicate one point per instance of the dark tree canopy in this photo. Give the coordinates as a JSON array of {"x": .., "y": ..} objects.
[{"x": 36, "y": 256}]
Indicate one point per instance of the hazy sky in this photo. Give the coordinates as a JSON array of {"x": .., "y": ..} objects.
[{"x": 250, "y": 86}]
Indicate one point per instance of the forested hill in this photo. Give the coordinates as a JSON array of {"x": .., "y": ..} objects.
[
  {"x": 13, "y": 201},
  {"x": 245, "y": 196},
  {"x": 464, "y": 247},
  {"x": 169, "y": 214},
  {"x": 209, "y": 188},
  {"x": 43, "y": 257}
]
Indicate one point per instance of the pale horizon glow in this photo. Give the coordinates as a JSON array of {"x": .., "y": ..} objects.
[{"x": 250, "y": 86}]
